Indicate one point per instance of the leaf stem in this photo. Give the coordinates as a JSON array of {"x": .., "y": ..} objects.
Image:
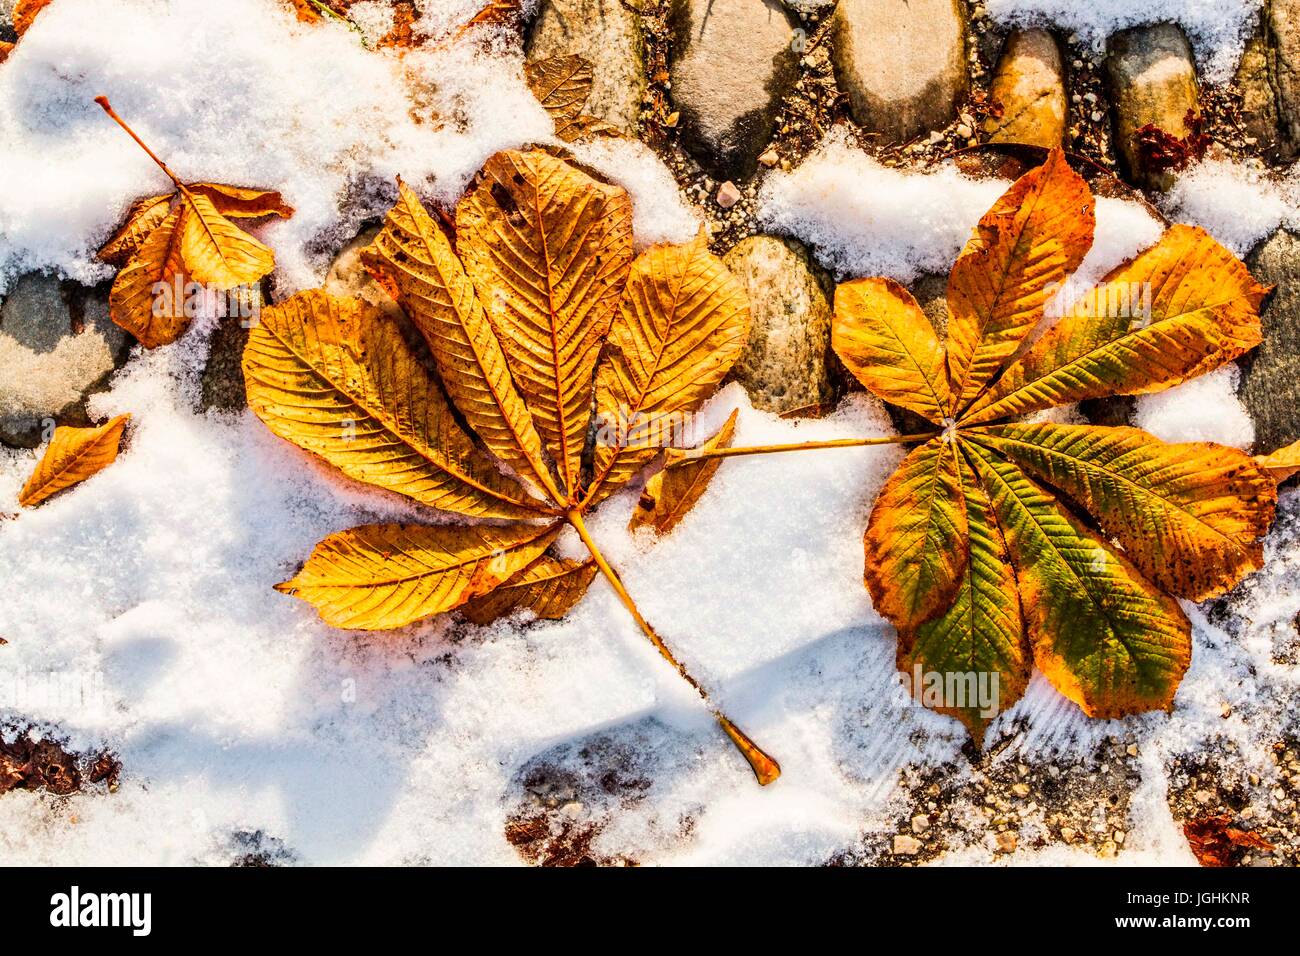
[
  {"x": 765, "y": 768},
  {"x": 684, "y": 456},
  {"x": 103, "y": 102}
]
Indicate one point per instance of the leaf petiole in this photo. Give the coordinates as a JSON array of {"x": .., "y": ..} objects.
[
  {"x": 765, "y": 768},
  {"x": 107, "y": 107},
  {"x": 677, "y": 457}
]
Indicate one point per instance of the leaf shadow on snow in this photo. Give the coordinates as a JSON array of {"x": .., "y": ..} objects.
[
  {"x": 638, "y": 790},
  {"x": 338, "y": 768},
  {"x": 337, "y": 799}
]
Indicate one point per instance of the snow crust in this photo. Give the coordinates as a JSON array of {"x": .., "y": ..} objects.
[
  {"x": 1217, "y": 28},
  {"x": 1239, "y": 203}
]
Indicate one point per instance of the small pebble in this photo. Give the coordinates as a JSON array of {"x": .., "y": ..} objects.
[
  {"x": 728, "y": 195},
  {"x": 920, "y": 823},
  {"x": 1006, "y": 841},
  {"x": 906, "y": 846}
]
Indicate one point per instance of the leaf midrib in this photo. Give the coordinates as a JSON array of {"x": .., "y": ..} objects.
[
  {"x": 389, "y": 425},
  {"x": 1083, "y": 582},
  {"x": 371, "y": 584},
  {"x": 1087, "y": 463},
  {"x": 994, "y": 410}
]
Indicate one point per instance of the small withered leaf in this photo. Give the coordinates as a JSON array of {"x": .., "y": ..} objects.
[
  {"x": 1215, "y": 842},
  {"x": 73, "y": 455},
  {"x": 672, "y": 492},
  {"x": 561, "y": 84},
  {"x": 144, "y": 216},
  {"x": 239, "y": 202},
  {"x": 1283, "y": 463},
  {"x": 548, "y": 587},
  {"x": 134, "y": 303}
]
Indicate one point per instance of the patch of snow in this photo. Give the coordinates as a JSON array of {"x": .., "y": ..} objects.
[
  {"x": 1216, "y": 28},
  {"x": 863, "y": 218},
  {"x": 1238, "y": 203},
  {"x": 373, "y": 17},
  {"x": 659, "y": 211},
  {"x": 236, "y": 92},
  {"x": 439, "y": 17},
  {"x": 1203, "y": 409}
]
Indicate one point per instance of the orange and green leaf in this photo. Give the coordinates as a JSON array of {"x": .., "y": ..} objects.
[
  {"x": 981, "y": 636},
  {"x": 1032, "y": 239},
  {"x": 1101, "y": 633},
  {"x": 883, "y": 338},
  {"x": 917, "y": 539},
  {"x": 1204, "y": 311},
  {"x": 1189, "y": 516}
]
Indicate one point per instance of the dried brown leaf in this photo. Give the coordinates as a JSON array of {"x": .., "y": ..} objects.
[
  {"x": 1215, "y": 842},
  {"x": 548, "y": 587},
  {"x": 672, "y": 492},
  {"x": 73, "y": 455},
  {"x": 144, "y": 216},
  {"x": 134, "y": 303}
]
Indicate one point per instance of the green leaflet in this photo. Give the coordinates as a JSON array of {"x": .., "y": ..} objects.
[{"x": 1103, "y": 635}]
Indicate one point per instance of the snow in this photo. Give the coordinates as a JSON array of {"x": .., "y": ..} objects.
[
  {"x": 659, "y": 211},
  {"x": 302, "y": 107},
  {"x": 1203, "y": 409},
  {"x": 862, "y": 218},
  {"x": 138, "y": 607},
  {"x": 1217, "y": 28},
  {"x": 1239, "y": 203},
  {"x": 373, "y": 17}
]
